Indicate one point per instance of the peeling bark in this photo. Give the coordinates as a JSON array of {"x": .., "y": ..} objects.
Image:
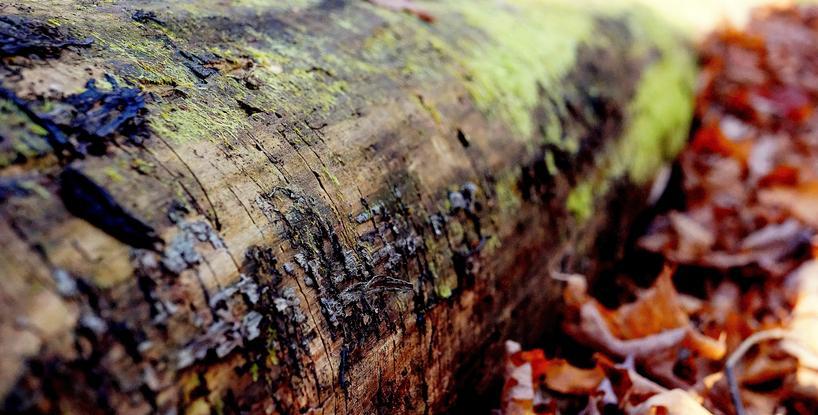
[{"x": 310, "y": 206}]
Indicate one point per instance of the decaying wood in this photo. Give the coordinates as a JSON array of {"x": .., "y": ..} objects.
[{"x": 219, "y": 207}]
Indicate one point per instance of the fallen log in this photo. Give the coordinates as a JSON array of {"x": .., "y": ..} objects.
[{"x": 329, "y": 206}]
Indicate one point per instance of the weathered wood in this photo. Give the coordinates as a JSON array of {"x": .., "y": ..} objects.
[{"x": 309, "y": 205}]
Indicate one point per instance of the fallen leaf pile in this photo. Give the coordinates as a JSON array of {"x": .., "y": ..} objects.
[{"x": 747, "y": 341}]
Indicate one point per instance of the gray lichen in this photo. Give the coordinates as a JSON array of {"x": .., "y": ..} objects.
[{"x": 181, "y": 253}]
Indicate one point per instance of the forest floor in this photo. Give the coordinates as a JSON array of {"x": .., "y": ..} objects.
[{"x": 716, "y": 309}]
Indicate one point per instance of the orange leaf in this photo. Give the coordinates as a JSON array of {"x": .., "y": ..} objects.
[
  {"x": 561, "y": 376},
  {"x": 783, "y": 175},
  {"x": 710, "y": 139},
  {"x": 657, "y": 309}
]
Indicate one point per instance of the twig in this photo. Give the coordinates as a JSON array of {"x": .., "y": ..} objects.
[
  {"x": 565, "y": 276},
  {"x": 734, "y": 392},
  {"x": 735, "y": 357}
]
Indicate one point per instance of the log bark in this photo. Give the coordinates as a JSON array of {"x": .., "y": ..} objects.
[{"x": 327, "y": 206}]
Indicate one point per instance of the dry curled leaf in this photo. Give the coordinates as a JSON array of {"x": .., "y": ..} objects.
[
  {"x": 518, "y": 389},
  {"x": 672, "y": 402},
  {"x": 656, "y": 321},
  {"x": 561, "y": 376}
]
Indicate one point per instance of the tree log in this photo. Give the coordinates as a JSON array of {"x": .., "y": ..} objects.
[{"x": 292, "y": 206}]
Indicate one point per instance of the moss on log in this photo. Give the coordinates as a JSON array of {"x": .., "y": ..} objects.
[{"x": 292, "y": 206}]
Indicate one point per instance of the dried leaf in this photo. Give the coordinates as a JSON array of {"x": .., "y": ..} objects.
[
  {"x": 561, "y": 376},
  {"x": 801, "y": 201},
  {"x": 672, "y": 402},
  {"x": 656, "y": 321},
  {"x": 518, "y": 391},
  {"x": 657, "y": 309}
]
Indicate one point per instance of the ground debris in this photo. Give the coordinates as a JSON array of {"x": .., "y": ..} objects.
[
  {"x": 729, "y": 326},
  {"x": 751, "y": 170}
]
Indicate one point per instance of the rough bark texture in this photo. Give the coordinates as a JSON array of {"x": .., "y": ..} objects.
[{"x": 219, "y": 207}]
